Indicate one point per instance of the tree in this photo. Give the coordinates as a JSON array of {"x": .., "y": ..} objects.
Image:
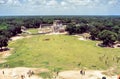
[
  {"x": 6, "y": 33},
  {"x": 108, "y": 37},
  {"x": 82, "y": 28},
  {"x": 119, "y": 37},
  {"x": 94, "y": 33},
  {"x": 3, "y": 41},
  {"x": 116, "y": 29},
  {"x": 71, "y": 28}
]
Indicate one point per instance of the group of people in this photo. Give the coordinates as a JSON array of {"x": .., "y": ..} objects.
[{"x": 29, "y": 74}]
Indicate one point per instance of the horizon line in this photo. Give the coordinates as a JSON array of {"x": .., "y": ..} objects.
[{"x": 58, "y": 15}]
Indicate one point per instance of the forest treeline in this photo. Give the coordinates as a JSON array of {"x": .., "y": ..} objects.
[{"x": 106, "y": 28}]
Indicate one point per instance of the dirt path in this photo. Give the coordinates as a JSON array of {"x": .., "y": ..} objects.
[
  {"x": 19, "y": 37},
  {"x": 90, "y": 74},
  {"x": 16, "y": 38},
  {"x": 15, "y": 73},
  {"x": 54, "y": 33},
  {"x": 81, "y": 38}
]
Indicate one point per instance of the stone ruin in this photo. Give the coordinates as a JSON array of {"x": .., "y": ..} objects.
[
  {"x": 57, "y": 27},
  {"x": 24, "y": 30}
]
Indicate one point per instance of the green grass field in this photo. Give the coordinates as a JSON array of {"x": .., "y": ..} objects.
[
  {"x": 61, "y": 52},
  {"x": 33, "y": 31}
]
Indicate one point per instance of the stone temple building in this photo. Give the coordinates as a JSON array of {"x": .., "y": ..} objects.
[{"x": 57, "y": 25}]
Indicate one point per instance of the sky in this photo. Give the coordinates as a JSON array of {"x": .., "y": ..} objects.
[{"x": 59, "y": 7}]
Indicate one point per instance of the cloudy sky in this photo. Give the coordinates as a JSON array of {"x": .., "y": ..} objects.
[{"x": 59, "y": 7}]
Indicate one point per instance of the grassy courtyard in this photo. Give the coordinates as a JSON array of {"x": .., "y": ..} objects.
[
  {"x": 61, "y": 52},
  {"x": 33, "y": 31}
]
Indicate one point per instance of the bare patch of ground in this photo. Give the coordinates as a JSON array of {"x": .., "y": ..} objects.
[
  {"x": 81, "y": 38},
  {"x": 16, "y": 38},
  {"x": 4, "y": 54},
  {"x": 89, "y": 74},
  {"x": 117, "y": 45},
  {"x": 19, "y": 37},
  {"x": 56, "y": 33},
  {"x": 15, "y": 73}
]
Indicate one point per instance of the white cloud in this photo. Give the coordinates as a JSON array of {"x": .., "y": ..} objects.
[
  {"x": 84, "y": 2},
  {"x": 2, "y": 1},
  {"x": 13, "y": 2},
  {"x": 56, "y": 3},
  {"x": 52, "y": 3},
  {"x": 36, "y": 2},
  {"x": 112, "y": 2},
  {"x": 57, "y": 7},
  {"x": 79, "y": 2},
  {"x": 63, "y": 3}
]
